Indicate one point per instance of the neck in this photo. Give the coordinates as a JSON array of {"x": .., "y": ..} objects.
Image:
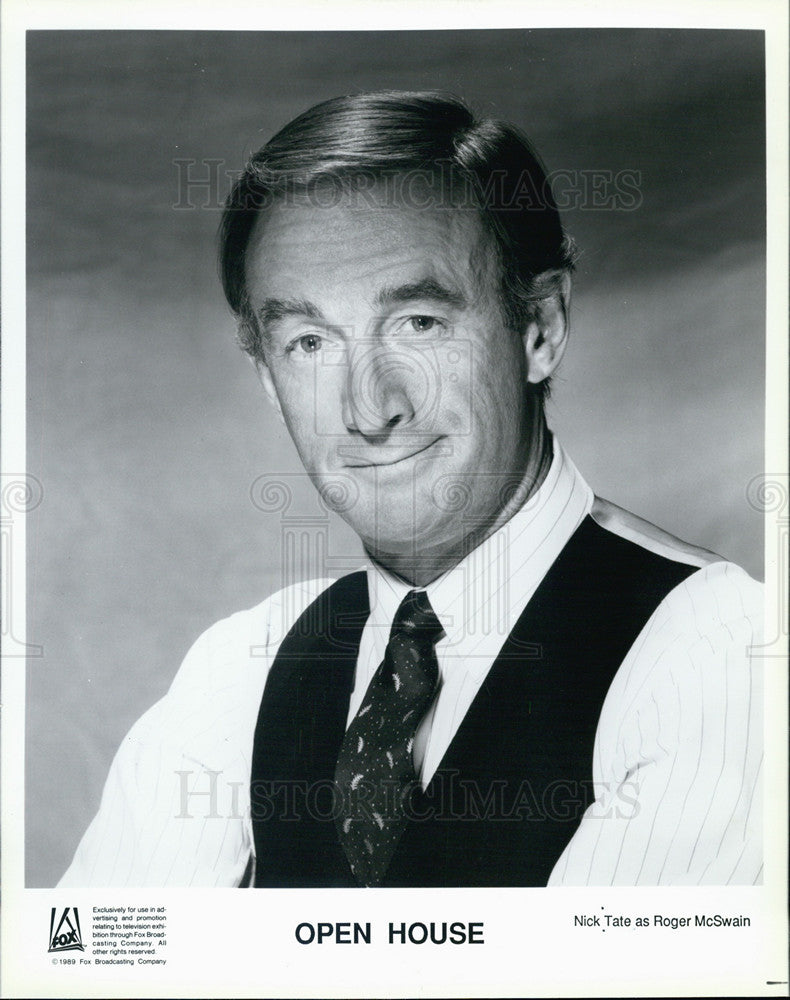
[{"x": 423, "y": 564}]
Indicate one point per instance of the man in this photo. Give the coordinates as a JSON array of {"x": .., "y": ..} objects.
[{"x": 525, "y": 685}]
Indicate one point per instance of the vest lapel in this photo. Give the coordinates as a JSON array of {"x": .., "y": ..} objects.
[{"x": 300, "y": 726}]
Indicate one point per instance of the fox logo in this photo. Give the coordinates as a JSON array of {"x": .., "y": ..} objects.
[{"x": 66, "y": 936}]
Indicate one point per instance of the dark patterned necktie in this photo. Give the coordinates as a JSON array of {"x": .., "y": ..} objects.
[{"x": 375, "y": 769}]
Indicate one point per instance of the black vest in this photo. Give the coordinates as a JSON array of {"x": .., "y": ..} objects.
[{"x": 517, "y": 777}]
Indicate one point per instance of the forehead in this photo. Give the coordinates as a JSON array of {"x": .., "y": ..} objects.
[{"x": 350, "y": 247}]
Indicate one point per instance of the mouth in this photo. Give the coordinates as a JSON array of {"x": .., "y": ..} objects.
[{"x": 390, "y": 458}]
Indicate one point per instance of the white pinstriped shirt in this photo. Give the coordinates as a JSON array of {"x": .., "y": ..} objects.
[{"x": 677, "y": 754}]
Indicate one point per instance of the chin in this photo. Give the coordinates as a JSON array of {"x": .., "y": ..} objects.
[
  {"x": 403, "y": 537},
  {"x": 385, "y": 534},
  {"x": 390, "y": 519}
]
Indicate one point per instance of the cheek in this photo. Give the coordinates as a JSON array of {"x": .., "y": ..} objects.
[
  {"x": 499, "y": 390},
  {"x": 302, "y": 387},
  {"x": 311, "y": 406},
  {"x": 297, "y": 397}
]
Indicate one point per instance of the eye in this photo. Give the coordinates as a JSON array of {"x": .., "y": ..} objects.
[
  {"x": 422, "y": 324},
  {"x": 308, "y": 344}
]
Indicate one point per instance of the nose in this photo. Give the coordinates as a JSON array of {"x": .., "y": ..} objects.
[{"x": 377, "y": 397}]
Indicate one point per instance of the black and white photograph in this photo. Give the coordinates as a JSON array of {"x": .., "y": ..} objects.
[{"x": 398, "y": 499}]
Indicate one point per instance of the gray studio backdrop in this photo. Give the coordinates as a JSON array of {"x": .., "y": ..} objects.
[{"x": 147, "y": 429}]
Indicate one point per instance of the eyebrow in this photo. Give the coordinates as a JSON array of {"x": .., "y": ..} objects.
[
  {"x": 425, "y": 288},
  {"x": 274, "y": 310}
]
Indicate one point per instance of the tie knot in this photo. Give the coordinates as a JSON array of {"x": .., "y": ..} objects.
[{"x": 416, "y": 618}]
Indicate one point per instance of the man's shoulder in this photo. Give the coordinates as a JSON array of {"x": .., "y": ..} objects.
[
  {"x": 648, "y": 536},
  {"x": 268, "y": 622},
  {"x": 696, "y": 646},
  {"x": 715, "y": 591},
  {"x": 247, "y": 638}
]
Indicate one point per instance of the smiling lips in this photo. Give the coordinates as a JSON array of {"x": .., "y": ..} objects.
[{"x": 389, "y": 458}]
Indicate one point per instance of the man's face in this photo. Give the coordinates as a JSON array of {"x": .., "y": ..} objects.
[{"x": 388, "y": 358}]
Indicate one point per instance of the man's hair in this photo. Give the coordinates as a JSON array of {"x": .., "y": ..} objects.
[{"x": 375, "y": 144}]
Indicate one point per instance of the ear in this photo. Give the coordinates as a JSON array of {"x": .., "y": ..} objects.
[
  {"x": 265, "y": 376},
  {"x": 547, "y": 333}
]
